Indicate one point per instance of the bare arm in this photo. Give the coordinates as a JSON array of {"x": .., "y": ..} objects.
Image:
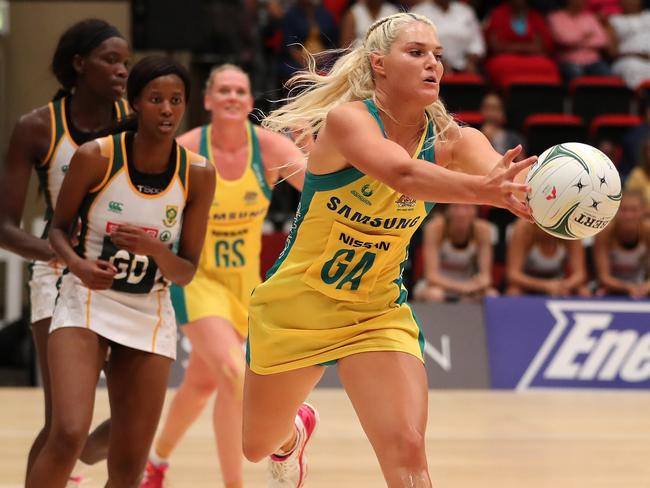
[
  {"x": 602, "y": 243},
  {"x": 578, "y": 275},
  {"x": 282, "y": 159},
  {"x": 483, "y": 278},
  {"x": 518, "y": 248},
  {"x": 87, "y": 169},
  {"x": 346, "y": 125},
  {"x": 27, "y": 148},
  {"x": 178, "y": 268}
]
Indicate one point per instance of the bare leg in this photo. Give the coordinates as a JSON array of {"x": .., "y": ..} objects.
[
  {"x": 270, "y": 406},
  {"x": 40, "y": 334},
  {"x": 75, "y": 357},
  {"x": 136, "y": 386},
  {"x": 389, "y": 393},
  {"x": 96, "y": 447}
]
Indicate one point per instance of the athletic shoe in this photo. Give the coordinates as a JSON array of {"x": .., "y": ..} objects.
[
  {"x": 154, "y": 475},
  {"x": 290, "y": 471}
]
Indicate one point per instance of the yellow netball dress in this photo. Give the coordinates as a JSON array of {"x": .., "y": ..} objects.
[
  {"x": 229, "y": 267},
  {"x": 64, "y": 141},
  {"x": 136, "y": 311},
  {"x": 336, "y": 288}
]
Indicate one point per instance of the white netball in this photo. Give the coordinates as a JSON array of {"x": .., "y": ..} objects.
[{"x": 575, "y": 190}]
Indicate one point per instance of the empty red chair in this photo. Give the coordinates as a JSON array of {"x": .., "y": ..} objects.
[
  {"x": 546, "y": 130},
  {"x": 475, "y": 119},
  {"x": 612, "y": 127},
  {"x": 462, "y": 92},
  {"x": 597, "y": 95},
  {"x": 526, "y": 95}
]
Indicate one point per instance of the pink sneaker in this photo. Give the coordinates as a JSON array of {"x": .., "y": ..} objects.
[
  {"x": 154, "y": 475},
  {"x": 290, "y": 471}
]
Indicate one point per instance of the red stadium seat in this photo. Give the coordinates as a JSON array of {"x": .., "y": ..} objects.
[
  {"x": 272, "y": 245},
  {"x": 612, "y": 127},
  {"x": 596, "y": 95},
  {"x": 475, "y": 119},
  {"x": 546, "y": 130},
  {"x": 462, "y": 92},
  {"x": 532, "y": 94}
]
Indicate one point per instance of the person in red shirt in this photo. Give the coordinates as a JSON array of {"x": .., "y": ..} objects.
[{"x": 519, "y": 42}]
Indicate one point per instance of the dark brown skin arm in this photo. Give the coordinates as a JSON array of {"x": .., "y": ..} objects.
[
  {"x": 87, "y": 170},
  {"x": 28, "y": 146},
  {"x": 178, "y": 268}
]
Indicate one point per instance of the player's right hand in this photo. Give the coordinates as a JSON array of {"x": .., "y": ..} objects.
[{"x": 96, "y": 275}]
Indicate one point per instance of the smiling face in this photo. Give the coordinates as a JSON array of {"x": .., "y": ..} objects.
[
  {"x": 228, "y": 96},
  {"x": 104, "y": 69},
  {"x": 161, "y": 105},
  {"x": 412, "y": 68}
]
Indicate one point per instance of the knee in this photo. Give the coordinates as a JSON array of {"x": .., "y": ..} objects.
[
  {"x": 255, "y": 448},
  {"x": 201, "y": 387},
  {"x": 67, "y": 439},
  {"x": 406, "y": 447}
]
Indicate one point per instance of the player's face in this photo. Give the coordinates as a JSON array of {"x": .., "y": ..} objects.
[
  {"x": 104, "y": 70},
  {"x": 413, "y": 66},
  {"x": 161, "y": 105},
  {"x": 229, "y": 97}
]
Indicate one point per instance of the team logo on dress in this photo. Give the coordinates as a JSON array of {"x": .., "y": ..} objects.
[
  {"x": 171, "y": 213},
  {"x": 115, "y": 207},
  {"x": 250, "y": 197},
  {"x": 165, "y": 235},
  {"x": 405, "y": 203},
  {"x": 365, "y": 191}
]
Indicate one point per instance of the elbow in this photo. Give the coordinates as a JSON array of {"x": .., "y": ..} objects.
[{"x": 187, "y": 277}]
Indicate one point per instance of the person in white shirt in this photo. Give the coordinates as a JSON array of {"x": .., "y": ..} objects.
[
  {"x": 459, "y": 31},
  {"x": 360, "y": 17}
]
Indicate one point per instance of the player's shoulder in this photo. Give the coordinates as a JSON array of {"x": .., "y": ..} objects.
[{"x": 190, "y": 139}]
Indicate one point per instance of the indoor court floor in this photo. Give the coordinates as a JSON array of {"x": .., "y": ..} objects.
[{"x": 475, "y": 439}]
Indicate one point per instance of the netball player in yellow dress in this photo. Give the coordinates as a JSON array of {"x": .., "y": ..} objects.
[
  {"x": 385, "y": 150},
  {"x": 213, "y": 309}
]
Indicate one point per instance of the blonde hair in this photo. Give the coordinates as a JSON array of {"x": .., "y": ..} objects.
[
  {"x": 350, "y": 79},
  {"x": 220, "y": 69}
]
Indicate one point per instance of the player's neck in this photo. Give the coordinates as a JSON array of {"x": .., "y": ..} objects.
[
  {"x": 151, "y": 153},
  {"x": 228, "y": 136},
  {"x": 400, "y": 119},
  {"x": 90, "y": 113}
]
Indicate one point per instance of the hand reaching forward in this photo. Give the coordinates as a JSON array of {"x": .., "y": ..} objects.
[{"x": 499, "y": 188}]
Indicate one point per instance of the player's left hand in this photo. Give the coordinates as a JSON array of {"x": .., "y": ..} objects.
[{"x": 135, "y": 240}]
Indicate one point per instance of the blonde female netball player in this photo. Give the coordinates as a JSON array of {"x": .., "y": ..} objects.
[
  {"x": 385, "y": 149},
  {"x": 90, "y": 64},
  {"x": 137, "y": 195},
  {"x": 214, "y": 307}
]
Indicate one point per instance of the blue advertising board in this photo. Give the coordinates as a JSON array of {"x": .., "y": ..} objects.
[{"x": 538, "y": 342}]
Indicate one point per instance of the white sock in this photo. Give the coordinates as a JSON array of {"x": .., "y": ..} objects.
[{"x": 156, "y": 460}]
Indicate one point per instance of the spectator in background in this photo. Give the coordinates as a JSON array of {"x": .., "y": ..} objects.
[
  {"x": 459, "y": 32},
  {"x": 307, "y": 27},
  {"x": 361, "y": 16},
  {"x": 519, "y": 43},
  {"x": 579, "y": 40},
  {"x": 639, "y": 179},
  {"x": 502, "y": 139},
  {"x": 603, "y": 9},
  {"x": 494, "y": 121},
  {"x": 633, "y": 142},
  {"x": 337, "y": 8},
  {"x": 537, "y": 263},
  {"x": 621, "y": 250},
  {"x": 630, "y": 32},
  {"x": 406, "y": 5},
  {"x": 457, "y": 257}
]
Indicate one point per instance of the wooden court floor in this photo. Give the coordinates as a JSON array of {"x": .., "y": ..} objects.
[{"x": 548, "y": 439}]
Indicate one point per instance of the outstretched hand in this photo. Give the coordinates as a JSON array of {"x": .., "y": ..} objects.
[{"x": 499, "y": 186}]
